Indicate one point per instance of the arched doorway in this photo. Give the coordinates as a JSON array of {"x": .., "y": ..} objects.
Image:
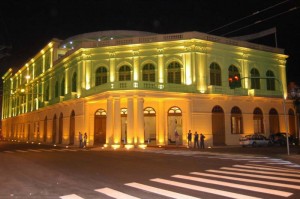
[
  {"x": 124, "y": 125},
  {"x": 100, "y": 127},
  {"x": 174, "y": 124},
  {"x": 292, "y": 124},
  {"x": 72, "y": 128},
  {"x": 45, "y": 130},
  {"x": 60, "y": 129},
  {"x": 273, "y": 121},
  {"x": 150, "y": 125},
  {"x": 258, "y": 121},
  {"x": 54, "y": 130},
  {"x": 218, "y": 126}
]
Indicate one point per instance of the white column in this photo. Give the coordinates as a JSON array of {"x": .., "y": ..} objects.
[
  {"x": 109, "y": 121},
  {"x": 117, "y": 121},
  {"x": 130, "y": 121},
  {"x": 140, "y": 121},
  {"x": 160, "y": 66}
]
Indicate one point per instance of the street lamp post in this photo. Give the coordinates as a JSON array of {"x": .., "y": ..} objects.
[
  {"x": 295, "y": 95},
  {"x": 283, "y": 104}
]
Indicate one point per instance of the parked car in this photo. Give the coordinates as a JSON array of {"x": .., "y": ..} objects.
[
  {"x": 254, "y": 140},
  {"x": 280, "y": 139}
]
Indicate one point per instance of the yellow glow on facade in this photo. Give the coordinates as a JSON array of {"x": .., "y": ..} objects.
[
  {"x": 129, "y": 146},
  {"x": 115, "y": 146}
]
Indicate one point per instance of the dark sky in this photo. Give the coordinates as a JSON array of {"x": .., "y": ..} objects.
[{"x": 27, "y": 25}]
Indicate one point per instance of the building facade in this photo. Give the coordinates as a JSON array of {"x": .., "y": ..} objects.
[{"x": 132, "y": 88}]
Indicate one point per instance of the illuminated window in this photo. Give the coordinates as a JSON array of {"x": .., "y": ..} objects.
[
  {"x": 236, "y": 121},
  {"x": 234, "y": 77},
  {"x": 74, "y": 82},
  {"x": 255, "y": 82},
  {"x": 124, "y": 73},
  {"x": 101, "y": 76},
  {"x": 174, "y": 73},
  {"x": 149, "y": 73},
  {"x": 215, "y": 74},
  {"x": 270, "y": 80}
]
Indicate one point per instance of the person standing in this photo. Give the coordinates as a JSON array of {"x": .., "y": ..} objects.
[
  {"x": 196, "y": 140},
  {"x": 80, "y": 140},
  {"x": 84, "y": 140},
  {"x": 189, "y": 138},
  {"x": 202, "y": 137}
]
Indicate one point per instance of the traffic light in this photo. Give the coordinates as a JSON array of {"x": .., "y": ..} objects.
[{"x": 234, "y": 81}]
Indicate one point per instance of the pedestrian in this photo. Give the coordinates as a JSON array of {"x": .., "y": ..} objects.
[
  {"x": 189, "y": 138},
  {"x": 202, "y": 137},
  {"x": 84, "y": 140},
  {"x": 196, "y": 140},
  {"x": 176, "y": 138},
  {"x": 80, "y": 139}
]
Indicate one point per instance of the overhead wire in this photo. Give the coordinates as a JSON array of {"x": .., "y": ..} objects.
[
  {"x": 251, "y": 15},
  {"x": 260, "y": 21}
]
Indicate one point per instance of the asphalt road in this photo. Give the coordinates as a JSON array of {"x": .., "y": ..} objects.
[{"x": 41, "y": 171}]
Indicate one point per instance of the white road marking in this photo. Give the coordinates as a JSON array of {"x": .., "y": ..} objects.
[
  {"x": 33, "y": 150},
  {"x": 255, "y": 176},
  {"x": 8, "y": 152},
  {"x": 204, "y": 189},
  {"x": 22, "y": 151},
  {"x": 266, "y": 168},
  {"x": 115, "y": 194},
  {"x": 261, "y": 172},
  {"x": 72, "y": 196},
  {"x": 169, "y": 194},
  {"x": 236, "y": 186},
  {"x": 248, "y": 180}
]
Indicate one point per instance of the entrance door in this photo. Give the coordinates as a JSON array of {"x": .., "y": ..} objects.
[
  {"x": 72, "y": 128},
  {"x": 100, "y": 127},
  {"x": 218, "y": 126}
]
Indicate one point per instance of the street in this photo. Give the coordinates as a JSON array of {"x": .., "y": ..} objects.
[{"x": 43, "y": 171}]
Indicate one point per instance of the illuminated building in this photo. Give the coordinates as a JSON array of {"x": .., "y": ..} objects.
[{"x": 133, "y": 88}]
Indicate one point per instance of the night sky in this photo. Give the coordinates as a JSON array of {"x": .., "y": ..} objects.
[{"x": 26, "y": 26}]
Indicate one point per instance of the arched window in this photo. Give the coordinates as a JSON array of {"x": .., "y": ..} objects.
[
  {"x": 62, "y": 87},
  {"x": 215, "y": 74},
  {"x": 74, "y": 82},
  {"x": 174, "y": 73},
  {"x": 234, "y": 77},
  {"x": 56, "y": 89},
  {"x": 149, "y": 72},
  {"x": 270, "y": 80},
  {"x": 255, "y": 80},
  {"x": 258, "y": 121},
  {"x": 101, "y": 76},
  {"x": 125, "y": 73},
  {"x": 236, "y": 121}
]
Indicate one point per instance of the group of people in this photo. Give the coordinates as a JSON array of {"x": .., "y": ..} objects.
[
  {"x": 82, "y": 140},
  {"x": 196, "y": 140}
]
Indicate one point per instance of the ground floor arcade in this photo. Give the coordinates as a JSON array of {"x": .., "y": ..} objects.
[{"x": 151, "y": 118}]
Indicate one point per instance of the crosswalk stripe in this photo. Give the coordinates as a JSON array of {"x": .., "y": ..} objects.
[
  {"x": 204, "y": 189},
  {"x": 22, "y": 151},
  {"x": 8, "y": 151},
  {"x": 264, "y": 168},
  {"x": 33, "y": 150},
  {"x": 72, "y": 196},
  {"x": 234, "y": 185},
  {"x": 248, "y": 180},
  {"x": 255, "y": 176},
  {"x": 268, "y": 166},
  {"x": 262, "y": 172},
  {"x": 169, "y": 194},
  {"x": 115, "y": 194},
  {"x": 46, "y": 150}
]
